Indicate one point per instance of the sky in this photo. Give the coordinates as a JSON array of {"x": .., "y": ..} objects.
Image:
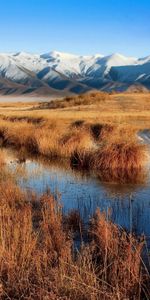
[{"x": 81, "y": 27}]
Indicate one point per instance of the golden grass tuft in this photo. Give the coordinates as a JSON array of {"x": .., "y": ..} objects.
[
  {"x": 119, "y": 162},
  {"x": 28, "y": 256},
  {"x": 76, "y": 140},
  {"x": 117, "y": 256},
  {"x": 121, "y": 156}
]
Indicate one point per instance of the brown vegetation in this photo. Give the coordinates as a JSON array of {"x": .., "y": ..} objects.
[
  {"x": 1, "y": 159},
  {"x": 106, "y": 148},
  {"x": 37, "y": 261},
  {"x": 119, "y": 156},
  {"x": 122, "y": 162},
  {"x": 82, "y": 99}
]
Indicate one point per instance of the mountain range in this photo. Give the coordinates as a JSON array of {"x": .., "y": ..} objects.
[{"x": 60, "y": 74}]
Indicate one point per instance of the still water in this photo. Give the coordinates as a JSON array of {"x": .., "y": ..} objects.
[{"x": 128, "y": 205}]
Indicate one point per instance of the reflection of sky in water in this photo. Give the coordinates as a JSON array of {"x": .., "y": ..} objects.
[{"x": 131, "y": 210}]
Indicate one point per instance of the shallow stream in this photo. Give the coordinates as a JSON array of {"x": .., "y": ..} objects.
[{"x": 128, "y": 205}]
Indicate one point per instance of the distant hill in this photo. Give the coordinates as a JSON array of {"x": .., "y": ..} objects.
[{"x": 60, "y": 74}]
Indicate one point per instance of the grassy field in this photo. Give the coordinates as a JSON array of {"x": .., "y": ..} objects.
[
  {"x": 123, "y": 108},
  {"x": 97, "y": 127},
  {"x": 37, "y": 256}
]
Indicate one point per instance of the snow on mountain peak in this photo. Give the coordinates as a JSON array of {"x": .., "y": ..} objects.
[
  {"x": 117, "y": 59},
  {"x": 91, "y": 70},
  {"x": 22, "y": 54}
]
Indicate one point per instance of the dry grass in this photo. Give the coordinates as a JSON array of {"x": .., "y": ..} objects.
[
  {"x": 82, "y": 135},
  {"x": 102, "y": 147},
  {"x": 80, "y": 100},
  {"x": 37, "y": 262},
  {"x": 114, "y": 161},
  {"x": 117, "y": 256},
  {"x": 2, "y": 160},
  {"x": 121, "y": 156},
  {"x": 73, "y": 222},
  {"x": 132, "y": 109}
]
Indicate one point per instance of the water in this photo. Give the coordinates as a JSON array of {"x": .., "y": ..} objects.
[{"x": 128, "y": 205}]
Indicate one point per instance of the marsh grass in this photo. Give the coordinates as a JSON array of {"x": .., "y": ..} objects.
[
  {"x": 111, "y": 148},
  {"x": 120, "y": 156},
  {"x": 37, "y": 259},
  {"x": 104, "y": 147},
  {"x": 114, "y": 162},
  {"x": 118, "y": 255}
]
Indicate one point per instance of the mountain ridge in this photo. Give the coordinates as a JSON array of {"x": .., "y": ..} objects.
[{"x": 57, "y": 73}]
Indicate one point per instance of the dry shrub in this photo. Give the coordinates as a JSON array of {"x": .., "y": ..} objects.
[
  {"x": 123, "y": 133},
  {"x": 109, "y": 133},
  {"x": 120, "y": 156},
  {"x": 10, "y": 194},
  {"x": 36, "y": 139},
  {"x": 15, "y": 135},
  {"x": 80, "y": 280},
  {"x": 17, "y": 241},
  {"x": 120, "y": 162},
  {"x": 82, "y": 99},
  {"x": 117, "y": 256},
  {"x": 102, "y": 131},
  {"x": 43, "y": 140},
  {"x": 29, "y": 258},
  {"x": 55, "y": 241},
  {"x": 46, "y": 142},
  {"x": 76, "y": 140}
]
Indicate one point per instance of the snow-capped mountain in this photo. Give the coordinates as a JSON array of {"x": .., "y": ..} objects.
[{"x": 57, "y": 73}]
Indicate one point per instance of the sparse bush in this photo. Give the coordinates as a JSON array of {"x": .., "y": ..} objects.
[{"x": 83, "y": 99}]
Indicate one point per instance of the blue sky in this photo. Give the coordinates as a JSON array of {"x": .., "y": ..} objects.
[{"x": 76, "y": 26}]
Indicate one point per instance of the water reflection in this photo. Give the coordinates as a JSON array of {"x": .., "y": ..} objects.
[{"x": 129, "y": 203}]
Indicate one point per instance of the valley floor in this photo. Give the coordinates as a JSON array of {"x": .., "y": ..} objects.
[
  {"x": 119, "y": 108},
  {"x": 37, "y": 259}
]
